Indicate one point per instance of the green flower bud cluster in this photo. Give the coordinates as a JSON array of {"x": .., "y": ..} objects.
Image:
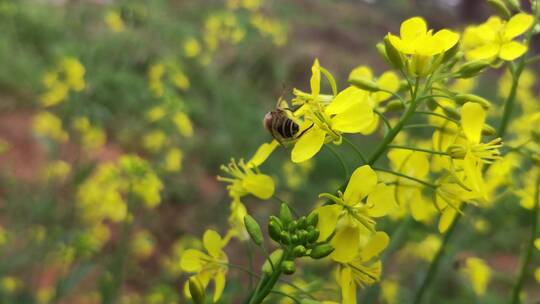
[{"x": 298, "y": 235}]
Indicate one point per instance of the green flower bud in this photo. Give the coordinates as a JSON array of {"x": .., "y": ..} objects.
[
  {"x": 463, "y": 98},
  {"x": 302, "y": 222},
  {"x": 451, "y": 53},
  {"x": 456, "y": 152},
  {"x": 275, "y": 257},
  {"x": 302, "y": 236},
  {"x": 277, "y": 221},
  {"x": 285, "y": 238},
  {"x": 364, "y": 84},
  {"x": 313, "y": 235},
  {"x": 253, "y": 229},
  {"x": 321, "y": 251},
  {"x": 501, "y": 8},
  {"x": 393, "y": 55},
  {"x": 431, "y": 104},
  {"x": 394, "y": 105},
  {"x": 294, "y": 239},
  {"x": 299, "y": 251},
  {"x": 274, "y": 230},
  {"x": 288, "y": 267},
  {"x": 382, "y": 51},
  {"x": 488, "y": 130},
  {"x": 196, "y": 290},
  {"x": 450, "y": 112},
  {"x": 285, "y": 214},
  {"x": 313, "y": 219},
  {"x": 514, "y": 4},
  {"x": 292, "y": 226},
  {"x": 472, "y": 68}
]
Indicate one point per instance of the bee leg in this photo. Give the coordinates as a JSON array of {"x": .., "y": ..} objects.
[{"x": 302, "y": 133}]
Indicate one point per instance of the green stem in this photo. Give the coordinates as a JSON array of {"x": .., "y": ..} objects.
[
  {"x": 384, "y": 119},
  {"x": 434, "y": 266},
  {"x": 527, "y": 258},
  {"x": 508, "y": 108},
  {"x": 355, "y": 148},
  {"x": 340, "y": 159},
  {"x": 427, "y": 184},
  {"x": 392, "y": 133},
  {"x": 267, "y": 282},
  {"x": 417, "y": 149},
  {"x": 438, "y": 115}
]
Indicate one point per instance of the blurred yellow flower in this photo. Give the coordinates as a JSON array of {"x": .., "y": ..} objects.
[
  {"x": 46, "y": 124},
  {"x": 183, "y": 124},
  {"x": 114, "y": 21},
  {"x": 209, "y": 265},
  {"x": 192, "y": 47},
  {"x": 154, "y": 141},
  {"x": 142, "y": 244},
  {"x": 173, "y": 160},
  {"x": 478, "y": 273},
  {"x": 494, "y": 38},
  {"x": 56, "y": 170}
]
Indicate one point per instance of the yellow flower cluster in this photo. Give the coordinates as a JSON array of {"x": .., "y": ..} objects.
[{"x": 67, "y": 76}]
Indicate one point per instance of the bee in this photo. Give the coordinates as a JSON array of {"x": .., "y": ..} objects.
[{"x": 281, "y": 126}]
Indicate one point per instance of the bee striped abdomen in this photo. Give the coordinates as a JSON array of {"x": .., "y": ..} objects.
[{"x": 287, "y": 128}]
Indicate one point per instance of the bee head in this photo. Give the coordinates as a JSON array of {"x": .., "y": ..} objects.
[{"x": 267, "y": 121}]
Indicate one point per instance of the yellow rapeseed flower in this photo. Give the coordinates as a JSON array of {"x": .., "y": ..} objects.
[{"x": 494, "y": 38}]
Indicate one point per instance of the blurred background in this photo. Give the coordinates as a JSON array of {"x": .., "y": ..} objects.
[{"x": 95, "y": 92}]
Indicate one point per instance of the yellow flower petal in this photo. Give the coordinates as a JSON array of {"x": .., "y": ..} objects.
[
  {"x": 537, "y": 274},
  {"x": 487, "y": 52},
  {"x": 413, "y": 28},
  {"x": 260, "y": 185},
  {"x": 361, "y": 72},
  {"x": 362, "y": 182},
  {"x": 388, "y": 81},
  {"x": 378, "y": 242},
  {"x": 447, "y": 217},
  {"x": 219, "y": 285},
  {"x": 345, "y": 99},
  {"x": 517, "y": 25},
  {"x": 348, "y": 287},
  {"x": 346, "y": 243},
  {"x": 355, "y": 119},
  {"x": 381, "y": 200},
  {"x": 328, "y": 217},
  {"x": 446, "y": 39},
  {"x": 472, "y": 121},
  {"x": 308, "y": 145},
  {"x": 315, "y": 80},
  {"x": 405, "y": 47},
  {"x": 212, "y": 242},
  {"x": 262, "y": 153},
  {"x": 512, "y": 50},
  {"x": 192, "y": 260},
  {"x": 537, "y": 243}
]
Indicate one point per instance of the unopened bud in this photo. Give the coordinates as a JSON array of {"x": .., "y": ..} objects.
[
  {"x": 364, "y": 84},
  {"x": 514, "y": 4},
  {"x": 321, "y": 251},
  {"x": 285, "y": 238},
  {"x": 253, "y": 229},
  {"x": 451, "y": 112},
  {"x": 299, "y": 251},
  {"x": 500, "y": 7},
  {"x": 472, "y": 68},
  {"x": 312, "y": 219},
  {"x": 274, "y": 230},
  {"x": 275, "y": 257},
  {"x": 393, "y": 55},
  {"x": 456, "y": 152},
  {"x": 196, "y": 290},
  {"x": 382, "y": 51},
  {"x": 463, "y": 98},
  {"x": 288, "y": 267},
  {"x": 394, "y": 105},
  {"x": 451, "y": 53},
  {"x": 488, "y": 130},
  {"x": 313, "y": 235},
  {"x": 285, "y": 214}
]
